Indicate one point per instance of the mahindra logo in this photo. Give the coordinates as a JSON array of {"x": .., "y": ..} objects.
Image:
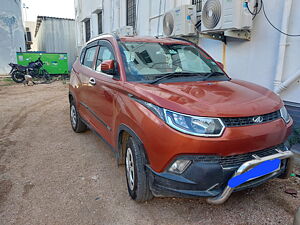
[{"x": 258, "y": 119}]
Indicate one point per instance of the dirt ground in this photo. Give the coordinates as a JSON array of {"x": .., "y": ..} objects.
[{"x": 50, "y": 175}]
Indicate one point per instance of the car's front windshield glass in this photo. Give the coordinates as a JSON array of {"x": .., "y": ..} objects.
[{"x": 148, "y": 61}]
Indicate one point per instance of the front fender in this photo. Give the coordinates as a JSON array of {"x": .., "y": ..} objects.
[
  {"x": 11, "y": 71},
  {"x": 135, "y": 119}
]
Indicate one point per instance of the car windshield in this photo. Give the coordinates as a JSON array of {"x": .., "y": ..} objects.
[{"x": 150, "y": 61}]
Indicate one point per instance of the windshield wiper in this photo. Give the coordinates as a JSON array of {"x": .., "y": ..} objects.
[
  {"x": 171, "y": 75},
  {"x": 212, "y": 74}
]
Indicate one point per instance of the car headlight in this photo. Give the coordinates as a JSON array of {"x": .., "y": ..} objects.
[
  {"x": 285, "y": 115},
  {"x": 194, "y": 125},
  {"x": 179, "y": 166}
]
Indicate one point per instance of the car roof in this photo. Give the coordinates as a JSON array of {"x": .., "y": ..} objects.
[
  {"x": 154, "y": 40},
  {"x": 165, "y": 40}
]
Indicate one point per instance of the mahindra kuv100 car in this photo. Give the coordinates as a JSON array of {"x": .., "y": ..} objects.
[{"x": 178, "y": 122}]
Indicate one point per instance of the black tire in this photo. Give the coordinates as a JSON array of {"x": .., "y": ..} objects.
[
  {"x": 17, "y": 76},
  {"x": 77, "y": 125},
  {"x": 46, "y": 75},
  {"x": 288, "y": 170},
  {"x": 138, "y": 189}
]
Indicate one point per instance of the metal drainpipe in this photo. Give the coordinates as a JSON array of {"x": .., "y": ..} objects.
[
  {"x": 224, "y": 57},
  {"x": 150, "y": 14},
  {"x": 103, "y": 12},
  {"x": 119, "y": 13},
  {"x": 113, "y": 14},
  {"x": 283, "y": 42},
  {"x": 288, "y": 82},
  {"x": 158, "y": 25}
]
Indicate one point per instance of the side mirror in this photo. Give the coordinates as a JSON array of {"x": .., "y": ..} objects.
[
  {"x": 220, "y": 65},
  {"x": 108, "y": 66}
]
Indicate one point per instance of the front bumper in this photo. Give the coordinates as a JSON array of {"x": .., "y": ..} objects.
[{"x": 208, "y": 177}]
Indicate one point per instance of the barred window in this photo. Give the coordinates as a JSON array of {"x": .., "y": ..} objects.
[
  {"x": 28, "y": 34},
  {"x": 87, "y": 30},
  {"x": 100, "y": 31},
  {"x": 131, "y": 12},
  {"x": 198, "y": 4}
]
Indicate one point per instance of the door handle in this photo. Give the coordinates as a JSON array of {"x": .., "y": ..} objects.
[{"x": 92, "y": 81}]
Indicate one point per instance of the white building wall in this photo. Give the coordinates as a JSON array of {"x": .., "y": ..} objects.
[
  {"x": 31, "y": 25},
  {"x": 254, "y": 60},
  {"x": 86, "y": 9},
  {"x": 58, "y": 36},
  {"x": 11, "y": 33}
]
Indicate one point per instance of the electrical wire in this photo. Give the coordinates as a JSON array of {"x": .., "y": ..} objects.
[
  {"x": 262, "y": 7},
  {"x": 290, "y": 35},
  {"x": 256, "y": 11},
  {"x": 252, "y": 13}
]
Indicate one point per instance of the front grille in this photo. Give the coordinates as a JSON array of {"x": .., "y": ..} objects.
[
  {"x": 238, "y": 160},
  {"x": 250, "y": 120},
  {"x": 234, "y": 160}
]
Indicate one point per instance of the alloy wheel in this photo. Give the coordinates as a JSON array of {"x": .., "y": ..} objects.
[
  {"x": 73, "y": 116},
  {"x": 130, "y": 168}
]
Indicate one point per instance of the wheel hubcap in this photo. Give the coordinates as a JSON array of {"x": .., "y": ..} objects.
[
  {"x": 130, "y": 168},
  {"x": 73, "y": 116}
]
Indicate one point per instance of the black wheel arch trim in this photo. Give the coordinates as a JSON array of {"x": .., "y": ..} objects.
[
  {"x": 124, "y": 127},
  {"x": 71, "y": 95}
]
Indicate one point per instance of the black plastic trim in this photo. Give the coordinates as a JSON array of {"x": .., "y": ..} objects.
[
  {"x": 98, "y": 135},
  {"x": 124, "y": 127},
  {"x": 200, "y": 180},
  {"x": 95, "y": 115}
]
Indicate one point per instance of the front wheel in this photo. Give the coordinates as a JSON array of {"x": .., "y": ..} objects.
[
  {"x": 17, "y": 76},
  {"x": 136, "y": 176}
]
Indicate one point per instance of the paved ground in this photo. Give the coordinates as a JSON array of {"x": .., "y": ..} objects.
[{"x": 50, "y": 175}]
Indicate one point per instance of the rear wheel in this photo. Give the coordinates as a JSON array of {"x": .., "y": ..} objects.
[
  {"x": 18, "y": 77},
  {"x": 136, "y": 176},
  {"x": 77, "y": 125}
]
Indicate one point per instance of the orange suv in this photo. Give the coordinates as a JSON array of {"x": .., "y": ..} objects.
[{"x": 178, "y": 122}]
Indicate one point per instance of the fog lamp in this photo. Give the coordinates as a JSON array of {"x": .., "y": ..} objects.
[{"x": 179, "y": 166}]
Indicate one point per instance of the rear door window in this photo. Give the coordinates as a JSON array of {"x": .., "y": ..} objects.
[{"x": 89, "y": 57}]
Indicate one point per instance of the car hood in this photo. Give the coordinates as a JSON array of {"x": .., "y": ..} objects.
[{"x": 234, "y": 98}]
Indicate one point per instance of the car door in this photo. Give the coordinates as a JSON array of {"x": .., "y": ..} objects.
[
  {"x": 102, "y": 93},
  {"x": 85, "y": 72}
]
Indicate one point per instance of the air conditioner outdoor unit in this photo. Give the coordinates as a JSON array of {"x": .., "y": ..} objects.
[
  {"x": 221, "y": 15},
  {"x": 180, "y": 21},
  {"x": 125, "y": 31}
]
